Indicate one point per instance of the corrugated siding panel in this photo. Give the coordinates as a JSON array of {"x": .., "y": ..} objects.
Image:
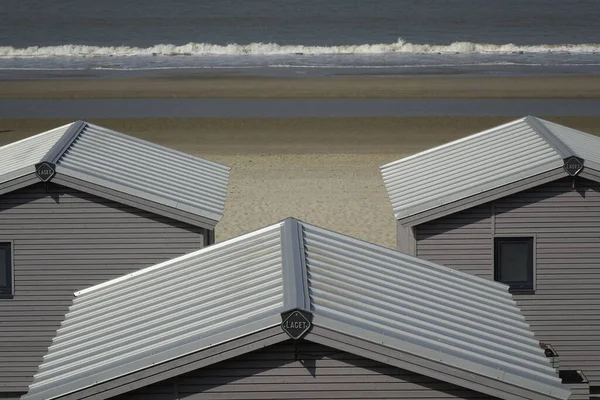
[
  {"x": 65, "y": 241},
  {"x": 583, "y": 144},
  {"x": 166, "y": 311},
  {"x": 460, "y": 241},
  {"x": 29, "y": 151},
  {"x": 143, "y": 166},
  {"x": 565, "y": 310},
  {"x": 414, "y": 303},
  {"x": 320, "y": 373},
  {"x": 466, "y": 167}
]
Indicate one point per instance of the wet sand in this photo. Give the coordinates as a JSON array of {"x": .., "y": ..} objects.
[
  {"x": 226, "y": 86},
  {"x": 324, "y": 171}
]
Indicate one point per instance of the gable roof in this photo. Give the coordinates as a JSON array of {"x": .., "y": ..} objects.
[
  {"x": 439, "y": 318},
  {"x": 95, "y": 157},
  {"x": 482, "y": 162}
]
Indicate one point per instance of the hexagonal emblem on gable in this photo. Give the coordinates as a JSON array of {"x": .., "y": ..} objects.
[
  {"x": 296, "y": 323},
  {"x": 573, "y": 165},
  {"x": 45, "y": 171}
]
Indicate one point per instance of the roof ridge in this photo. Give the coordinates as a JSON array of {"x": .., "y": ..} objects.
[
  {"x": 541, "y": 129},
  {"x": 61, "y": 146},
  {"x": 293, "y": 257}
]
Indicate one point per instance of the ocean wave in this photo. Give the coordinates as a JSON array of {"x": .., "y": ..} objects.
[{"x": 207, "y": 49}]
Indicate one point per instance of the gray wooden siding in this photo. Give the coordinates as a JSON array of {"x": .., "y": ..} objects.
[
  {"x": 64, "y": 241},
  {"x": 579, "y": 391},
  {"x": 461, "y": 240},
  {"x": 321, "y": 373},
  {"x": 565, "y": 309}
]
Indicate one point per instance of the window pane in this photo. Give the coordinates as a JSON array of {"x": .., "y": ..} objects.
[
  {"x": 3, "y": 267},
  {"x": 514, "y": 257}
]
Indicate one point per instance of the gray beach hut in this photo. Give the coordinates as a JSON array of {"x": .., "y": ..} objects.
[
  {"x": 295, "y": 311},
  {"x": 81, "y": 204},
  {"x": 520, "y": 204}
]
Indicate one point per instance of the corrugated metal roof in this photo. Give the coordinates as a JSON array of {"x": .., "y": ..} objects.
[
  {"x": 581, "y": 144},
  {"x": 239, "y": 286},
  {"x": 125, "y": 164},
  {"x": 166, "y": 311},
  {"x": 482, "y": 162},
  {"x": 24, "y": 154},
  {"x": 422, "y": 308}
]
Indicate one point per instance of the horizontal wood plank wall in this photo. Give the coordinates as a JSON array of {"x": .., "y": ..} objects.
[
  {"x": 461, "y": 240},
  {"x": 565, "y": 309},
  {"x": 579, "y": 391},
  {"x": 321, "y": 373},
  {"x": 64, "y": 241}
]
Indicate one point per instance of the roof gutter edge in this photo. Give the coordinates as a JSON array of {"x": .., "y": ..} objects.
[
  {"x": 407, "y": 219},
  {"x": 555, "y": 392}
]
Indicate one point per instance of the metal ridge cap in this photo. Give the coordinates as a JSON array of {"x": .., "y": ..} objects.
[
  {"x": 558, "y": 145},
  {"x": 59, "y": 148},
  {"x": 295, "y": 277}
]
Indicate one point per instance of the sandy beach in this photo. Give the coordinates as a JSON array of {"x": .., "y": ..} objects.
[{"x": 323, "y": 171}]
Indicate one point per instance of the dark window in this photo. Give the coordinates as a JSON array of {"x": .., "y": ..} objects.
[
  {"x": 513, "y": 262},
  {"x": 571, "y": 376},
  {"x": 5, "y": 269}
]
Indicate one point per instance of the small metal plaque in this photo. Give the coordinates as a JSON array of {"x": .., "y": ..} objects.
[
  {"x": 573, "y": 165},
  {"x": 45, "y": 171},
  {"x": 296, "y": 324}
]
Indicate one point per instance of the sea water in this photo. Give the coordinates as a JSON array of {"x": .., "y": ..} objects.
[{"x": 303, "y": 36}]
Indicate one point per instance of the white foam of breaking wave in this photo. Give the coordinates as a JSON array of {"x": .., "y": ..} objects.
[{"x": 205, "y": 49}]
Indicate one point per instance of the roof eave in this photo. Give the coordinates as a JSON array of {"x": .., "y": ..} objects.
[
  {"x": 417, "y": 216},
  {"x": 17, "y": 179},
  {"x": 327, "y": 332},
  {"x": 496, "y": 383},
  {"x": 255, "y": 336},
  {"x": 145, "y": 201}
]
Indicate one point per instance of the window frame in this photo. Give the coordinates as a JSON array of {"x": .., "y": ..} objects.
[
  {"x": 516, "y": 237},
  {"x": 7, "y": 292}
]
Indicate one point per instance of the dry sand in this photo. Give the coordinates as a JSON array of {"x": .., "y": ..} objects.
[
  {"x": 323, "y": 171},
  {"x": 181, "y": 85}
]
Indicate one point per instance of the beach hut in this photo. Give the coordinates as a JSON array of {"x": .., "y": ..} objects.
[
  {"x": 295, "y": 311},
  {"x": 519, "y": 204},
  {"x": 81, "y": 204}
]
